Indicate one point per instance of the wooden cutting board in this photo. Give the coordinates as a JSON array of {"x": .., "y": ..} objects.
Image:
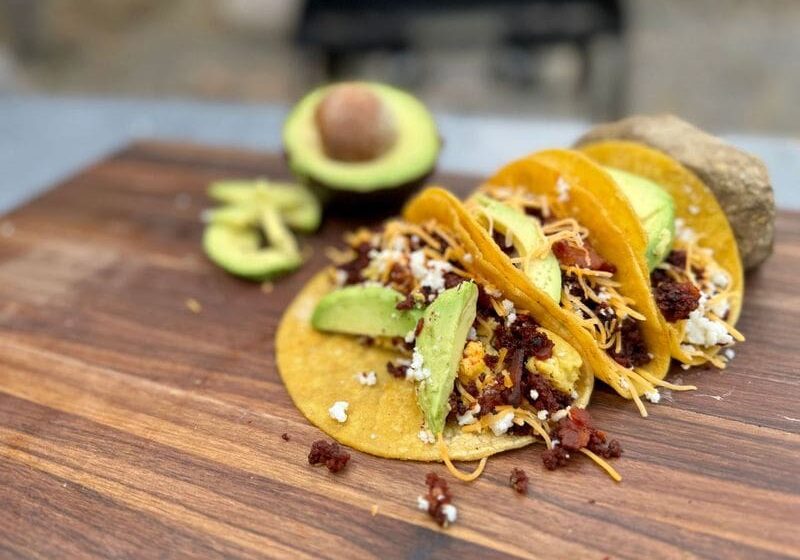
[{"x": 132, "y": 426}]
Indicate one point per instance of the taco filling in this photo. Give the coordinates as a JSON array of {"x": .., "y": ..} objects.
[
  {"x": 691, "y": 288},
  {"x": 480, "y": 364},
  {"x": 589, "y": 289}
]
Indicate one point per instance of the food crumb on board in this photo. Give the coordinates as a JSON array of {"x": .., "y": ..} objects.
[
  {"x": 329, "y": 454},
  {"x": 267, "y": 287},
  {"x": 285, "y": 436},
  {"x": 193, "y": 305},
  {"x": 374, "y": 510}
]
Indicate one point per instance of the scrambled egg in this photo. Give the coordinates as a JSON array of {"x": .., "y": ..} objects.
[
  {"x": 562, "y": 368},
  {"x": 472, "y": 364}
]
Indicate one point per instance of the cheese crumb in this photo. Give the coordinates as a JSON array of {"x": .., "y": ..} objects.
[
  {"x": 410, "y": 336},
  {"x": 193, "y": 305},
  {"x": 705, "y": 332},
  {"x": 730, "y": 353},
  {"x": 501, "y": 424},
  {"x": 720, "y": 278},
  {"x": 467, "y": 258},
  {"x": 469, "y": 416},
  {"x": 653, "y": 396},
  {"x": 534, "y": 394},
  {"x": 339, "y": 411},
  {"x": 510, "y": 310},
  {"x": 694, "y": 210},
  {"x": 623, "y": 382},
  {"x": 367, "y": 378},
  {"x": 560, "y": 414},
  {"x": 340, "y": 276},
  {"x": 425, "y": 436},
  {"x": 473, "y": 334},
  {"x": 422, "y": 503},
  {"x": 573, "y": 394},
  {"x": 542, "y": 415},
  {"x": 415, "y": 370},
  {"x": 450, "y": 513}
]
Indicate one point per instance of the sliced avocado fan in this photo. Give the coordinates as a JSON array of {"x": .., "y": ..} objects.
[
  {"x": 440, "y": 344},
  {"x": 655, "y": 209},
  {"x": 365, "y": 310},
  {"x": 527, "y": 237},
  {"x": 255, "y": 212}
]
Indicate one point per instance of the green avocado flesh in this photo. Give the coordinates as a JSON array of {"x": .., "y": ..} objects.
[
  {"x": 412, "y": 155},
  {"x": 654, "y": 207},
  {"x": 527, "y": 238},
  {"x": 299, "y": 208},
  {"x": 364, "y": 310},
  {"x": 441, "y": 343},
  {"x": 238, "y": 250}
]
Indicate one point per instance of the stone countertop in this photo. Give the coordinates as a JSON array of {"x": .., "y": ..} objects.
[{"x": 45, "y": 139}]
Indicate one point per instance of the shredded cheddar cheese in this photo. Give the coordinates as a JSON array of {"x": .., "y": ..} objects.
[{"x": 452, "y": 468}]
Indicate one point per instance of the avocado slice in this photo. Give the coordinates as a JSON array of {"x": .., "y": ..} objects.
[
  {"x": 238, "y": 250},
  {"x": 299, "y": 208},
  {"x": 527, "y": 238},
  {"x": 364, "y": 310},
  {"x": 400, "y": 141},
  {"x": 654, "y": 207},
  {"x": 444, "y": 333}
]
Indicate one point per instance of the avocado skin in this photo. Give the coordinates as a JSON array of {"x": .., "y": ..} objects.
[
  {"x": 441, "y": 344},
  {"x": 364, "y": 310},
  {"x": 377, "y": 203}
]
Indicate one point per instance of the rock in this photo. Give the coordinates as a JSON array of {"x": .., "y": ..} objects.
[{"x": 739, "y": 180}]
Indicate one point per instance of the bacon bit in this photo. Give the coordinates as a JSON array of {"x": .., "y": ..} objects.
[
  {"x": 329, "y": 454},
  {"x": 406, "y": 303},
  {"x": 401, "y": 278},
  {"x": 549, "y": 399},
  {"x": 437, "y": 497},
  {"x": 577, "y": 432},
  {"x": 515, "y": 367},
  {"x": 569, "y": 254},
  {"x": 677, "y": 258},
  {"x": 357, "y": 264},
  {"x": 396, "y": 369},
  {"x": 418, "y": 328},
  {"x": 555, "y": 458},
  {"x": 633, "y": 349},
  {"x": 519, "y": 481},
  {"x": 285, "y": 436},
  {"x": 676, "y": 300},
  {"x": 451, "y": 279},
  {"x": 523, "y": 334}
]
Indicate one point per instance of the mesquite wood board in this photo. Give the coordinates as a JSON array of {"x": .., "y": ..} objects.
[{"x": 132, "y": 426}]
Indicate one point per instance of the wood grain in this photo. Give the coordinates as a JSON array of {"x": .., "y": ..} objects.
[{"x": 132, "y": 427}]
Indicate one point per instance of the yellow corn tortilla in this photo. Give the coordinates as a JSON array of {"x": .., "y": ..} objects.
[
  {"x": 687, "y": 191},
  {"x": 319, "y": 369},
  {"x": 539, "y": 174}
]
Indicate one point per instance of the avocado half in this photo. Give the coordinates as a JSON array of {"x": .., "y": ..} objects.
[{"x": 390, "y": 176}]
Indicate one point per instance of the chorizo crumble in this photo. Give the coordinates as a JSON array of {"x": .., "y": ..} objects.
[
  {"x": 519, "y": 481},
  {"x": 329, "y": 454}
]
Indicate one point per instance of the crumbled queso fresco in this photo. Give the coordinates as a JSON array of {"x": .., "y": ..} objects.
[
  {"x": 425, "y": 436},
  {"x": 339, "y": 411},
  {"x": 416, "y": 371},
  {"x": 511, "y": 312},
  {"x": 428, "y": 272},
  {"x": 653, "y": 396},
  {"x": 502, "y": 423}
]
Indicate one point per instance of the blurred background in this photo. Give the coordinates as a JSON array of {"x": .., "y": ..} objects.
[{"x": 724, "y": 64}]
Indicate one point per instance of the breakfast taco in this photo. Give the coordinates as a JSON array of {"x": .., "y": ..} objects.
[
  {"x": 414, "y": 345},
  {"x": 691, "y": 257},
  {"x": 558, "y": 245}
]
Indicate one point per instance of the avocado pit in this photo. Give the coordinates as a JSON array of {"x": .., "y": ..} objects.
[{"x": 354, "y": 124}]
